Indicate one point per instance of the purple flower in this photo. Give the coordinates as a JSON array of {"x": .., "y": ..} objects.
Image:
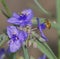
[
  {"x": 22, "y": 36},
  {"x": 14, "y": 45},
  {"x": 42, "y": 57},
  {"x": 2, "y": 52},
  {"x": 41, "y": 28},
  {"x": 12, "y": 31},
  {"x": 16, "y": 38},
  {"x": 22, "y": 20}
]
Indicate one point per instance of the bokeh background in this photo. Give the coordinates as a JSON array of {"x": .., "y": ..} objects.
[{"x": 18, "y": 6}]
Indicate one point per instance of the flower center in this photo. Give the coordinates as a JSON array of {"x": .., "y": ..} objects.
[
  {"x": 43, "y": 26},
  {"x": 23, "y": 17},
  {"x": 14, "y": 37}
]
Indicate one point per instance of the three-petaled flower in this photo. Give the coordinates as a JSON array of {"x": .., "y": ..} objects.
[
  {"x": 17, "y": 37},
  {"x": 22, "y": 20}
]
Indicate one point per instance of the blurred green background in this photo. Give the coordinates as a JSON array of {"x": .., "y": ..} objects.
[{"x": 19, "y": 5}]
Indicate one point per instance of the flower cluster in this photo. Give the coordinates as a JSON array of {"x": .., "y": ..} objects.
[{"x": 17, "y": 36}]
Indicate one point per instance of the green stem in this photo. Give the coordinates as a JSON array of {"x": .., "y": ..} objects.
[
  {"x": 45, "y": 50},
  {"x": 12, "y": 56},
  {"x": 41, "y": 8},
  {"x": 56, "y": 26},
  {"x": 26, "y": 56},
  {"x": 58, "y": 20},
  {"x": 43, "y": 46},
  {"x": 58, "y": 10},
  {"x": 59, "y": 48},
  {"x": 6, "y": 7}
]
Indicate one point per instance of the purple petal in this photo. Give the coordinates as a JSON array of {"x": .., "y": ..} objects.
[
  {"x": 40, "y": 28},
  {"x": 22, "y": 36},
  {"x": 16, "y": 15},
  {"x": 42, "y": 57},
  {"x": 29, "y": 23},
  {"x": 2, "y": 52},
  {"x": 25, "y": 35},
  {"x": 42, "y": 34},
  {"x": 12, "y": 30},
  {"x": 26, "y": 23},
  {"x": 43, "y": 26},
  {"x": 14, "y": 20},
  {"x": 29, "y": 14},
  {"x": 14, "y": 45}
]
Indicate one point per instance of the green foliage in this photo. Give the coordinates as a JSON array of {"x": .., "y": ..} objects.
[
  {"x": 25, "y": 51},
  {"x": 43, "y": 46},
  {"x": 6, "y": 7},
  {"x": 58, "y": 20},
  {"x": 41, "y": 8},
  {"x": 3, "y": 39}
]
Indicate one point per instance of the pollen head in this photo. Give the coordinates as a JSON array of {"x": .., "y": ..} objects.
[{"x": 48, "y": 24}]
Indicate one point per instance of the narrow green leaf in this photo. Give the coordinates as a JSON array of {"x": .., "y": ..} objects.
[
  {"x": 26, "y": 56},
  {"x": 6, "y": 7},
  {"x": 58, "y": 10},
  {"x": 4, "y": 13},
  {"x": 59, "y": 48},
  {"x": 41, "y": 8},
  {"x": 43, "y": 46},
  {"x": 56, "y": 26},
  {"x": 58, "y": 20}
]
